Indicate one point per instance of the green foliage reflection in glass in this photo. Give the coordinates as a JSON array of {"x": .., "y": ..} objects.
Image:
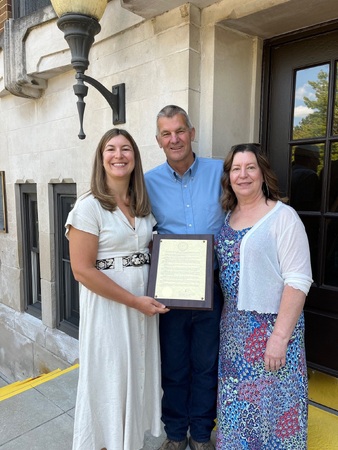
[{"x": 311, "y": 102}]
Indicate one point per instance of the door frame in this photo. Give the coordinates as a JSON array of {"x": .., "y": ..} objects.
[{"x": 321, "y": 331}]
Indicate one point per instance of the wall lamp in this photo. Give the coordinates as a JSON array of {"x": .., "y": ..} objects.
[{"x": 79, "y": 21}]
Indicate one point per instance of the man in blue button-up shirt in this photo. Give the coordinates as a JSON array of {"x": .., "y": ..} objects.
[{"x": 185, "y": 197}]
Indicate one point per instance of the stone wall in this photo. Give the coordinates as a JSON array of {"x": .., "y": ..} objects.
[{"x": 29, "y": 348}]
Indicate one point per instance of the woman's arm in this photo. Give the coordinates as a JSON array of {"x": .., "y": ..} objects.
[
  {"x": 83, "y": 249},
  {"x": 291, "y": 306}
]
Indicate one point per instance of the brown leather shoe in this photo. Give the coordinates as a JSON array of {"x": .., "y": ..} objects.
[
  {"x": 200, "y": 445},
  {"x": 174, "y": 445}
]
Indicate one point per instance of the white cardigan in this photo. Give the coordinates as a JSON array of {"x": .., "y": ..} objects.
[{"x": 273, "y": 253}]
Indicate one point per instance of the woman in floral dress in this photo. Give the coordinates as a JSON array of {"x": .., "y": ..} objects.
[{"x": 265, "y": 275}]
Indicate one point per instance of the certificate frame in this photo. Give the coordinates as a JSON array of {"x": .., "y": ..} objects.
[{"x": 162, "y": 265}]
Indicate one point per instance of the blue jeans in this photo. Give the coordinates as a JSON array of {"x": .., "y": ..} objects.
[{"x": 189, "y": 354}]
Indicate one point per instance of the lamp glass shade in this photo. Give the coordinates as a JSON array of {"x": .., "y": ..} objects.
[{"x": 91, "y": 8}]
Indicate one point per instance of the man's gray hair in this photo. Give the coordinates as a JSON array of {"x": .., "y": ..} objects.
[{"x": 171, "y": 111}]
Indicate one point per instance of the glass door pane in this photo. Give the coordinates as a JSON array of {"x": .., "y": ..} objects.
[
  {"x": 307, "y": 161},
  {"x": 311, "y": 102},
  {"x": 331, "y": 257}
]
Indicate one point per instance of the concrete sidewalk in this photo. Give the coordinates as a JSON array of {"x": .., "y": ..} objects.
[
  {"x": 39, "y": 417},
  {"x": 38, "y": 414}
]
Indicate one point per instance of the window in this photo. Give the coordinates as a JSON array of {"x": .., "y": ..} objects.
[
  {"x": 67, "y": 288},
  {"x": 31, "y": 256},
  {"x": 25, "y": 7}
]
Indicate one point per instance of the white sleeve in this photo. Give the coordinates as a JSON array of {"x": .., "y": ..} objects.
[
  {"x": 294, "y": 255},
  {"x": 85, "y": 216}
]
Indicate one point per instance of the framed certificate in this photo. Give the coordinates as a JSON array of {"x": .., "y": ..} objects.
[{"x": 182, "y": 270}]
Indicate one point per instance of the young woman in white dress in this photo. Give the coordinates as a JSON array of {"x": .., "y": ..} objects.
[{"x": 109, "y": 230}]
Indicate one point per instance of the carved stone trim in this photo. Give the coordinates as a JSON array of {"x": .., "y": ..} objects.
[
  {"x": 16, "y": 80},
  {"x": 149, "y": 9}
]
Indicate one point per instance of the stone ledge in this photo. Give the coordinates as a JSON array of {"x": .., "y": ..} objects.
[{"x": 28, "y": 347}]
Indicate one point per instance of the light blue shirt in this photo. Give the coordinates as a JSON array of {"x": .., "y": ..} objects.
[{"x": 189, "y": 204}]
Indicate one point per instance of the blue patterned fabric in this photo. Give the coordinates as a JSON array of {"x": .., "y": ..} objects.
[{"x": 257, "y": 409}]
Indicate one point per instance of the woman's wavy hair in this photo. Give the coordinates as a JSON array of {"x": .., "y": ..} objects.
[
  {"x": 269, "y": 186},
  {"x": 139, "y": 200}
]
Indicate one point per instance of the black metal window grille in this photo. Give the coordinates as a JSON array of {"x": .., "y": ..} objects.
[
  {"x": 67, "y": 288},
  {"x": 31, "y": 253}
]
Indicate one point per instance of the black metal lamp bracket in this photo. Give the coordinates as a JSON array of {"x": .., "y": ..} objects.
[{"x": 115, "y": 99}]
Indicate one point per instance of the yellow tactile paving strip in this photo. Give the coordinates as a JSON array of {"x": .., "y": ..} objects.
[
  {"x": 21, "y": 386},
  {"x": 323, "y": 389},
  {"x": 323, "y": 426},
  {"x": 323, "y": 430}
]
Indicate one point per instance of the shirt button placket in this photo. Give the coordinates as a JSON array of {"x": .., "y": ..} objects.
[{"x": 187, "y": 206}]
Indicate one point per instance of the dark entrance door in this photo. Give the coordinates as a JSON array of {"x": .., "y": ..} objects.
[{"x": 301, "y": 137}]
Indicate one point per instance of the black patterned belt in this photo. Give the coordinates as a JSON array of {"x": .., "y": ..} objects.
[{"x": 136, "y": 259}]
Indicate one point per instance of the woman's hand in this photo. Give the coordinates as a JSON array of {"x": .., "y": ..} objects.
[
  {"x": 291, "y": 306},
  {"x": 275, "y": 352},
  {"x": 149, "y": 306}
]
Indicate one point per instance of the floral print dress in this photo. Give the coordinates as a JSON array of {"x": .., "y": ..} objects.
[{"x": 257, "y": 409}]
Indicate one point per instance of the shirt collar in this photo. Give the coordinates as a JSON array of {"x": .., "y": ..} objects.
[{"x": 190, "y": 172}]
